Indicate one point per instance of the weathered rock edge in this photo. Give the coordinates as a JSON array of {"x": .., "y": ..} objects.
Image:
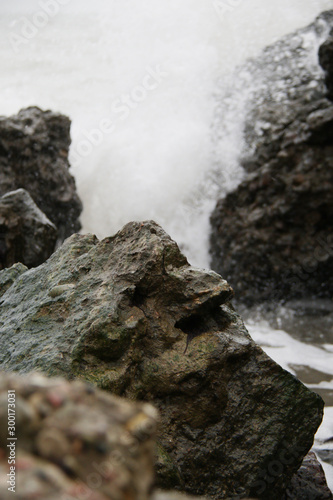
[
  {"x": 119, "y": 313},
  {"x": 34, "y": 146}
]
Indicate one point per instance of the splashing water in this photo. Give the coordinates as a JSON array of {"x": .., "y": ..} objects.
[{"x": 140, "y": 82}]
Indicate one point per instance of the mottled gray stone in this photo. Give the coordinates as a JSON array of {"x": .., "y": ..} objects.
[
  {"x": 120, "y": 313},
  {"x": 34, "y": 147}
]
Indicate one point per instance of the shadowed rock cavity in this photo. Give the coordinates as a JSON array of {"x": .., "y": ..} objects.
[
  {"x": 326, "y": 62},
  {"x": 119, "y": 313}
]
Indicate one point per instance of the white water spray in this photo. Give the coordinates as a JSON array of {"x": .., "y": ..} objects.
[{"x": 139, "y": 81}]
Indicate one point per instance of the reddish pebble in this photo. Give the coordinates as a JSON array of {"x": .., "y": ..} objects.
[
  {"x": 23, "y": 464},
  {"x": 55, "y": 399}
]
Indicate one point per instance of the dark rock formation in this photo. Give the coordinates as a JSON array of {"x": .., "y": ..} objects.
[
  {"x": 272, "y": 237},
  {"x": 34, "y": 156},
  {"x": 119, "y": 313},
  {"x": 326, "y": 62},
  {"x": 73, "y": 441},
  {"x": 26, "y": 234},
  {"x": 309, "y": 483}
]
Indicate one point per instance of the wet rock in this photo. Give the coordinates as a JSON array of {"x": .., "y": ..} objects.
[
  {"x": 74, "y": 441},
  {"x": 309, "y": 483},
  {"x": 34, "y": 148},
  {"x": 120, "y": 313},
  {"x": 26, "y": 234},
  {"x": 326, "y": 62},
  {"x": 8, "y": 276},
  {"x": 286, "y": 77},
  {"x": 271, "y": 237}
]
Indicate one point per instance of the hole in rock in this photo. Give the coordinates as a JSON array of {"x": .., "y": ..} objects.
[
  {"x": 193, "y": 325},
  {"x": 196, "y": 324},
  {"x": 138, "y": 297}
]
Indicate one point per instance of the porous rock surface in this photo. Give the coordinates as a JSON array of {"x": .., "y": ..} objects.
[
  {"x": 271, "y": 237},
  {"x": 26, "y": 234},
  {"x": 74, "y": 441},
  {"x": 34, "y": 148},
  {"x": 9, "y": 275},
  {"x": 119, "y": 313}
]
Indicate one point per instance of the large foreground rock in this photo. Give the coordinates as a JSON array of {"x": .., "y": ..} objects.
[
  {"x": 120, "y": 313},
  {"x": 26, "y": 234},
  {"x": 272, "y": 237},
  {"x": 34, "y": 148}
]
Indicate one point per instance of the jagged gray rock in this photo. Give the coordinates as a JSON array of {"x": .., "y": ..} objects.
[
  {"x": 34, "y": 148},
  {"x": 271, "y": 237},
  {"x": 26, "y": 234},
  {"x": 119, "y": 313}
]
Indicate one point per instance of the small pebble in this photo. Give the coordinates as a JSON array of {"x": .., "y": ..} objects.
[{"x": 60, "y": 289}]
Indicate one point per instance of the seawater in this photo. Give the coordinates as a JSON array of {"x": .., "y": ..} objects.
[{"x": 142, "y": 83}]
